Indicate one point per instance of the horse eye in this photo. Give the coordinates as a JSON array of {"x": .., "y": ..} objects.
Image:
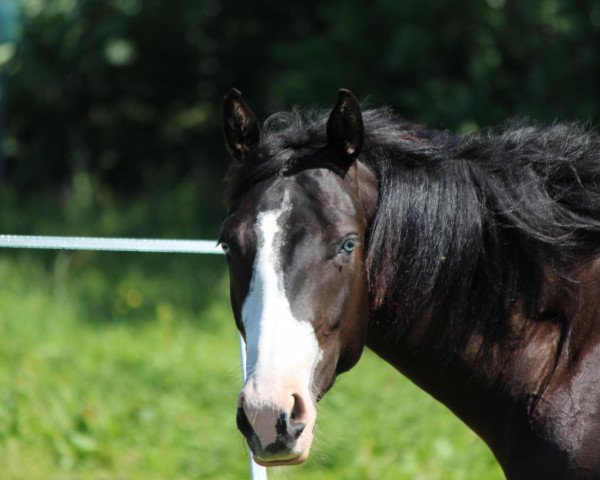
[
  {"x": 349, "y": 245},
  {"x": 224, "y": 247}
]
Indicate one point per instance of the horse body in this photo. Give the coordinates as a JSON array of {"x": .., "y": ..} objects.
[{"x": 470, "y": 265}]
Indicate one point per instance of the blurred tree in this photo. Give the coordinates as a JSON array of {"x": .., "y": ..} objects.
[
  {"x": 130, "y": 90},
  {"x": 8, "y": 21},
  {"x": 452, "y": 64}
]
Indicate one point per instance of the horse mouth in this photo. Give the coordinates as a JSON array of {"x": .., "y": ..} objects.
[{"x": 282, "y": 463}]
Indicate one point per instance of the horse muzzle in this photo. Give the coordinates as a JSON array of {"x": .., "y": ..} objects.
[{"x": 278, "y": 431}]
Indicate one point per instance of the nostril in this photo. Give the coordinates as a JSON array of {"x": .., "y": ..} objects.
[
  {"x": 298, "y": 410},
  {"x": 298, "y": 416},
  {"x": 298, "y": 428}
]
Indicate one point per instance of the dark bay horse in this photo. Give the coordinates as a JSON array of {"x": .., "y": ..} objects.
[{"x": 471, "y": 264}]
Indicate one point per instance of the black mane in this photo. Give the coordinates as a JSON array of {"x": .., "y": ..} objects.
[{"x": 466, "y": 227}]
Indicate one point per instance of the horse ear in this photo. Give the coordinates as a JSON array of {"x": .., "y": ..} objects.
[
  {"x": 241, "y": 129},
  {"x": 345, "y": 130}
]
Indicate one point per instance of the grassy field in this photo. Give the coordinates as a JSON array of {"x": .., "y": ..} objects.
[{"x": 125, "y": 366}]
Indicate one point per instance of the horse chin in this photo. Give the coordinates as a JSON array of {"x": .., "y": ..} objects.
[{"x": 283, "y": 463}]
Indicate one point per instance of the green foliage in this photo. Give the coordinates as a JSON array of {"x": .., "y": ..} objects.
[
  {"x": 452, "y": 64},
  {"x": 130, "y": 90},
  {"x": 125, "y": 366}
]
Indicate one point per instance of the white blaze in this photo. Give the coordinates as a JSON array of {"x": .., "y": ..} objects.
[{"x": 282, "y": 351}]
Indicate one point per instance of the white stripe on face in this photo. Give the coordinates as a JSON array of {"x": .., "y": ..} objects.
[{"x": 280, "y": 348}]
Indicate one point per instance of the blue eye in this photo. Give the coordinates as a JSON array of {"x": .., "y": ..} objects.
[
  {"x": 349, "y": 245},
  {"x": 224, "y": 247}
]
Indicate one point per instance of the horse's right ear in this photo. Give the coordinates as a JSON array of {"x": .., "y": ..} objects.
[{"x": 241, "y": 129}]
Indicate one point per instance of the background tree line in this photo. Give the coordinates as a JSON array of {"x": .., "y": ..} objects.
[{"x": 129, "y": 91}]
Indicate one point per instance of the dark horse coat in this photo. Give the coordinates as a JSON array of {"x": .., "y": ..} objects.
[{"x": 468, "y": 263}]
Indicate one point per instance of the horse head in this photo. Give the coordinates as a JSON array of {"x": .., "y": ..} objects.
[{"x": 294, "y": 240}]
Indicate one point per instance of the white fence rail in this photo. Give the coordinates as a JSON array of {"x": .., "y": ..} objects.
[
  {"x": 110, "y": 244},
  {"x": 149, "y": 245}
]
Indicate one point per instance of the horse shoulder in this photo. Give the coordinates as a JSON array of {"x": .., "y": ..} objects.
[{"x": 567, "y": 412}]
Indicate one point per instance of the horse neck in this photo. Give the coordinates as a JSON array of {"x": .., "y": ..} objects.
[{"x": 503, "y": 383}]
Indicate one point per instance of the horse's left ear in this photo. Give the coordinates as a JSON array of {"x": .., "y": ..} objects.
[
  {"x": 241, "y": 129},
  {"x": 345, "y": 130}
]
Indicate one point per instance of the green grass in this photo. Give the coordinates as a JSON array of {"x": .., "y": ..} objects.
[{"x": 125, "y": 366}]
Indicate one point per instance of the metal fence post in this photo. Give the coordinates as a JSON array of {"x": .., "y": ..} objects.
[{"x": 256, "y": 471}]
